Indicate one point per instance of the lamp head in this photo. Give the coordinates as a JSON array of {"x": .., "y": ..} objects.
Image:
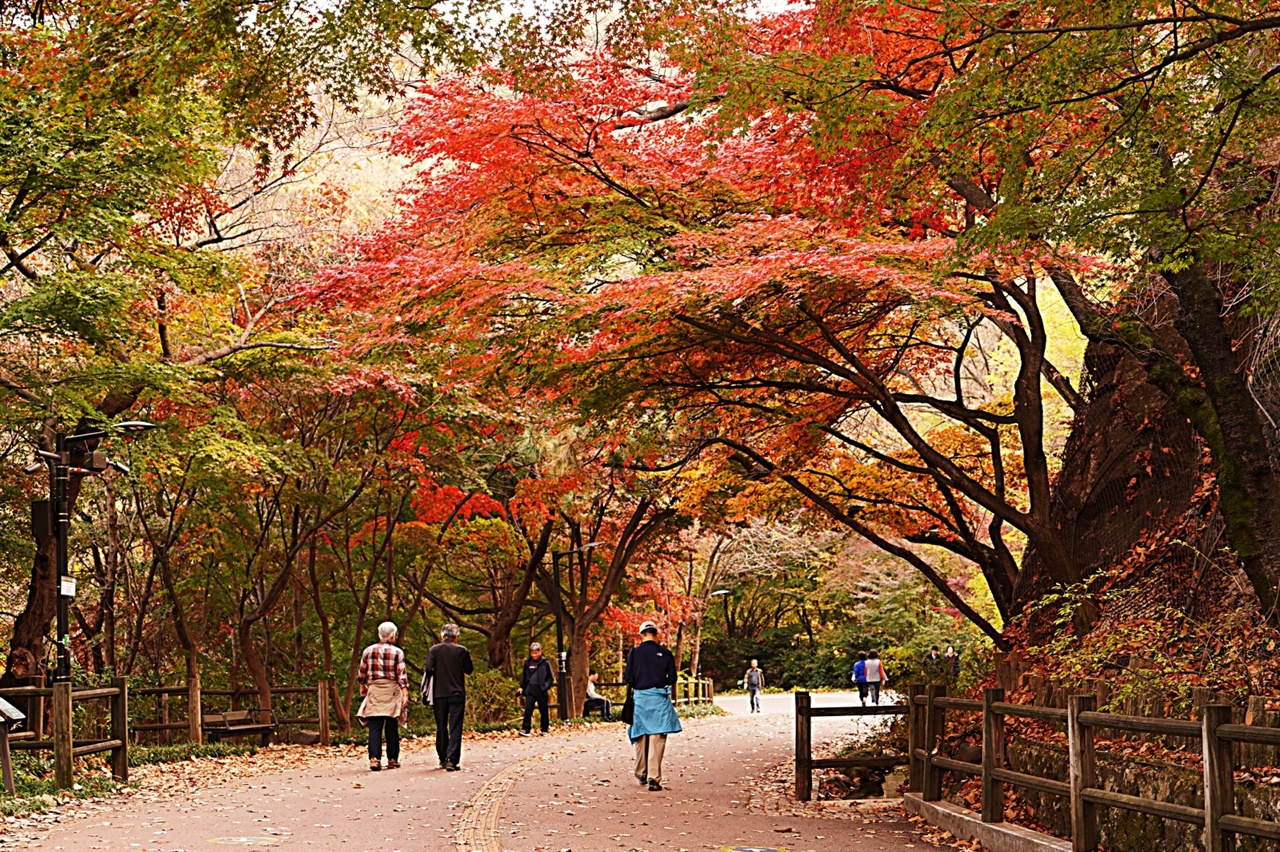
[{"x": 133, "y": 426}]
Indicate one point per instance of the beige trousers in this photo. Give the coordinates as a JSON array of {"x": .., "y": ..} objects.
[{"x": 649, "y": 751}]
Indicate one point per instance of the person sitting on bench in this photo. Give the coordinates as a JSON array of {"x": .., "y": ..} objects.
[{"x": 596, "y": 701}]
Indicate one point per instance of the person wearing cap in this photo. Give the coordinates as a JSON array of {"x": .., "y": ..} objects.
[
  {"x": 535, "y": 682},
  {"x": 448, "y": 665},
  {"x": 651, "y": 672}
]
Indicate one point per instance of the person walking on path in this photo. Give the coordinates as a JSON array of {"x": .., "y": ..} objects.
[
  {"x": 384, "y": 683},
  {"x": 651, "y": 672},
  {"x": 951, "y": 663},
  {"x": 535, "y": 683},
  {"x": 448, "y": 665},
  {"x": 753, "y": 680},
  {"x": 931, "y": 666},
  {"x": 596, "y": 701},
  {"x": 860, "y": 676},
  {"x": 876, "y": 676}
]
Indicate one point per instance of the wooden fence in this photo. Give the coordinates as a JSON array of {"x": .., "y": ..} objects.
[
  {"x": 699, "y": 691},
  {"x": 63, "y": 745},
  {"x": 927, "y": 710},
  {"x": 805, "y": 763},
  {"x": 196, "y": 697}
]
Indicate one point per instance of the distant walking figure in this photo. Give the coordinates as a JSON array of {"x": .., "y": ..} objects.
[
  {"x": 385, "y": 687},
  {"x": 876, "y": 676},
  {"x": 860, "y": 676},
  {"x": 651, "y": 672},
  {"x": 448, "y": 665},
  {"x": 931, "y": 666},
  {"x": 753, "y": 680},
  {"x": 535, "y": 683},
  {"x": 951, "y": 662}
]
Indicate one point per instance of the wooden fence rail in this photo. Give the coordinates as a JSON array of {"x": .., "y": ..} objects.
[
  {"x": 195, "y": 697},
  {"x": 64, "y": 746},
  {"x": 805, "y": 763},
  {"x": 926, "y": 711},
  {"x": 699, "y": 691}
]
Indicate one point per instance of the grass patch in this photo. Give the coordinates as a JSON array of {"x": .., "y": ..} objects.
[
  {"x": 698, "y": 711},
  {"x": 145, "y": 755},
  {"x": 33, "y": 783}
]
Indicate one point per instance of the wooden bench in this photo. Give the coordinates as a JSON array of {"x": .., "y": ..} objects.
[{"x": 238, "y": 723}]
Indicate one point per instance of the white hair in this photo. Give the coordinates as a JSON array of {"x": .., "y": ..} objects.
[
  {"x": 387, "y": 631},
  {"x": 450, "y": 631}
]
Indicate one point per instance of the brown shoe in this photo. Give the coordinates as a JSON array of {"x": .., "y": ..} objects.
[
  {"x": 375, "y": 765},
  {"x": 393, "y": 764}
]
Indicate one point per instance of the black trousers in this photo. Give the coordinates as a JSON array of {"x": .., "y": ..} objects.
[
  {"x": 449, "y": 712},
  {"x": 604, "y": 705},
  {"x": 539, "y": 700},
  {"x": 378, "y": 727}
]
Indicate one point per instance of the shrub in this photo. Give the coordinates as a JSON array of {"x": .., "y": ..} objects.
[
  {"x": 143, "y": 755},
  {"x": 491, "y": 699}
]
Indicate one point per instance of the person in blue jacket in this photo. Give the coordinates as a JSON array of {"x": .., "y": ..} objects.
[
  {"x": 860, "y": 677},
  {"x": 651, "y": 672}
]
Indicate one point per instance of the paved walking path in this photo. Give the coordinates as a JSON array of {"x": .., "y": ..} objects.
[{"x": 571, "y": 791}]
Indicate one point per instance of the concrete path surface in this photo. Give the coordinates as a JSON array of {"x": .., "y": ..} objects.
[{"x": 566, "y": 791}]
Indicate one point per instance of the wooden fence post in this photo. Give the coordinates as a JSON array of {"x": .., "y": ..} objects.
[
  {"x": 934, "y": 725},
  {"x": 322, "y": 710},
  {"x": 993, "y": 745},
  {"x": 6, "y": 760},
  {"x": 804, "y": 757},
  {"x": 195, "y": 730},
  {"x": 120, "y": 730},
  {"x": 1082, "y": 774},
  {"x": 915, "y": 737},
  {"x": 62, "y": 737},
  {"x": 35, "y": 709},
  {"x": 1219, "y": 785}
]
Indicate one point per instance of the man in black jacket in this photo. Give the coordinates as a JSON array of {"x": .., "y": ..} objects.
[
  {"x": 651, "y": 672},
  {"x": 535, "y": 682},
  {"x": 448, "y": 664}
]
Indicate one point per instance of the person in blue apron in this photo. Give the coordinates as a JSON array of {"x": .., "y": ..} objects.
[{"x": 651, "y": 672}]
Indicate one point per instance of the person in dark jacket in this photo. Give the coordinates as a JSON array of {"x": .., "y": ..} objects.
[
  {"x": 448, "y": 665},
  {"x": 651, "y": 672},
  {"x": 535, "y": 682}
]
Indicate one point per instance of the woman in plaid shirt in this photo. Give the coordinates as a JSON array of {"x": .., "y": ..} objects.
[{"x": 384, "y": 683}]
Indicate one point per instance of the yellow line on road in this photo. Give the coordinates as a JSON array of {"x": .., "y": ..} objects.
[{"x": 478, "y": 823}]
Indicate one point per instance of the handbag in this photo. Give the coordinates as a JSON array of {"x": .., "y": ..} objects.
[{"x": 628, "y": 713}]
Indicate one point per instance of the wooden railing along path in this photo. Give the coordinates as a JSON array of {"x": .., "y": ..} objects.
[
  {"x": 698, "y": 691},
  {"x": 64, "y": 747},
  {"x": 926, "y": 711},
  {"x": 195, "y": 697}
]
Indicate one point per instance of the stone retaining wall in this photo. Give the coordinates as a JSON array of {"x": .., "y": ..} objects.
[{"x": 1126, "y": 830}]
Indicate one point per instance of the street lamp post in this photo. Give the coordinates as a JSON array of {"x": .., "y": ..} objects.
[
  {"x": 60, "y": 467},
  {"x": 564, "y": 699}
]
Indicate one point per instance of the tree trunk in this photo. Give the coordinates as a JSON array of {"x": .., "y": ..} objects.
[
  {"x": 512, "y": 607},
  {"x": 340, "y": 709},
  {"x": 695, "y": 655},
  {"x": 1249, "y": 495},
  {"x": 579, "y": 667},
  {"x": 679, "y": 649},
  {"x": 253, "y": 662}
]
